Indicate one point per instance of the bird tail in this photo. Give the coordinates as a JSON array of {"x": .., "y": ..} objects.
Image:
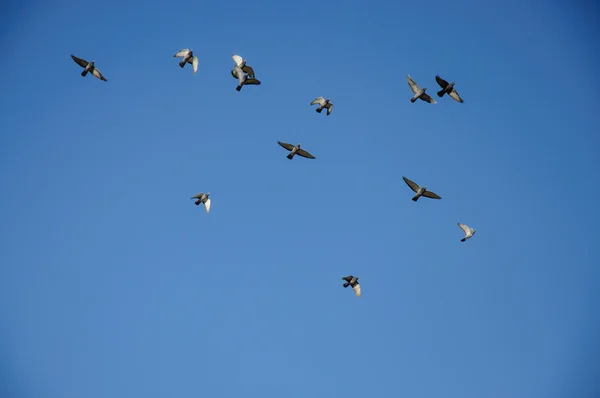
[
  {"x": 197, "y": 202},
  {"x": 85, "y": 72},
  {"x": 319, "y": 110},
  {"x": 239, "y": 87},
  {"x": 463, "y": 239},
  {"x": 346, "y": 284},
  {"x": 441, "y": 93},
  {"x": 415, "y": 198},
  {"x": 182, "y": 64},
  {"x": 290, "y": 156},
  {"x": 413, "y": 99}
]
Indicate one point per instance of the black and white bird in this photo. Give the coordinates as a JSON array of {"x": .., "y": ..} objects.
[
  {"x": 202, "y": 198},
  {"x": 243, "y": 72},
  {"x": 295, "y": 150},
  {"x": 447, "y": 88},
  {"x": 419, "y": 92},
  {"x": 323, "y": 103},
  {"x": 352, "y": 281},
  {"x": 188, "y": 57},
  {"x": 420, "y": 191},
  {"x": 88, "y": 67},
  {"x": 469, "y": 232}
]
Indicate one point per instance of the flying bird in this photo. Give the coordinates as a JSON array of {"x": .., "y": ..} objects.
[
  {"x": 353, "y": 282},
  {"x": 188, "y": 57},
  {"x": 419, "y": 92},
  {"x": 295, "y": 150},
  {"x": 447, "y": 89},
  {"x": 469, "y": 232},
  {"x": 88, "y": 67},
  {"x": 244, "y": 73},
  {"x": 323, "y": 103},
  {"x": 202, "y": 198},
  {"x": 420, "y": 191}
]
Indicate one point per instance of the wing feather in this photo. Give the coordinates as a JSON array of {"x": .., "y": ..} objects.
[
  {"x": 252, "y": 81},
  {"x": 304, "y": 154},
  {"x": 207, "y": 205},
  {"x": 465, "y": 228},
  {"x": 441, "y": 82},
  {"x": 429, "y": 194},
  {"x": 318, "y": 100},
  {"x": 411, "y": 83},
  {"x": 413, "y": 185},
  {"x": 81, "y": 62},
  {"x": 427, "y": 97},
  {"x": 97, "y": 73},
  {"x": 454, "y": 95},
  {"x": 248, "y": 69},
  {"x": 356, "y": 289},
  {"x": 329, "y": 107},
  {"x": 287, "y": 146},
  {"x": 195, "y": 64},
  {"x": 182, "y": 53},
  {"x": 237, "y": 59}
]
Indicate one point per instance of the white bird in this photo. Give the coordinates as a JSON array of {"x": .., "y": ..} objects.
[
  {"x": 469, "y": 232},
  {"x": 188, "y": 57},
  {"x": 323, "y": 103},
  {"x": 243, "y": 72},
  {"x": 419, "y": 92},
  {"x": 204, "y": 199}
]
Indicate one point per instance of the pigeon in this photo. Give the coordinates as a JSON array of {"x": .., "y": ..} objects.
[
  {"x": 421, "y": 191},
  {"x": 419, "y": 92},
  {"x": 323, "y": 103},
  {"x": 244, "y": 73},
  {"x": 188, "y": 57},
  {"x": 202, "y": 198},
  {"x": 88, "y": 67},
  {"x": 295, "y": 150},
  {"x": 469, "y": 232},
  {"x": 447, "y": 88},
  {"x": 352, "y": 281}
]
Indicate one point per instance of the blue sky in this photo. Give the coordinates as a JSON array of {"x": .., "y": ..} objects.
[{"x": 113, "y": 284}]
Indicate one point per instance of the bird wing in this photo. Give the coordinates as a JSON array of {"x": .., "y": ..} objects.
[
  {"x": 455, "y": 96},
  {"x": 197, "y": 196},
  {"x": 252, "y": 81},
  {"x": 182, "y": 53},
  {"x": 413, "y": 86},
  {"x": 441, "y": 82},
  {"x": 329, "y": 106},
  {"x": 82, "y": 62},
  {"x": 429, "y": 194},
  {"x": 287, "y": 146},
  {"x": 248, "y": 69},
  {"x": 234, "y": 74},
  {"x": 97, "y": 73},
  {"x": 318, "y": 100},
  {"x": 304, "y": 154},
  {"x": 207, "y": 205},
  {"x": 413, "y": 185},
  {"x": 347, "y": 278},
  {"x": 427, "y": 97},
  {"x": 356, "y": 289},
  {"x": 237, "y": 59},
  {"x": 195, "y": 64},
  {"x": 465, "y": 228}
]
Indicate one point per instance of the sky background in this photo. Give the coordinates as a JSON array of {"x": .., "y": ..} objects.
[{"x": 113, "y": 284}]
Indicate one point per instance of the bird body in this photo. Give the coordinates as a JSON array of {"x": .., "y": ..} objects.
[
  {"x": 88, "y": 67},
  {"x": 448, "y": 88},
  {"x": 204, "y": 199},
  {"x": 295, "y": 150},
  {"x": 323, "y": 103},
  {"x": 419, "y": 93},
  {"x": 352, "y": 281},
  {"x": 420, "y": 191},
  {"x": 187, "y": 56},
  {"x": 243, "y": 72},
  {"x": 469, "y": 232}
]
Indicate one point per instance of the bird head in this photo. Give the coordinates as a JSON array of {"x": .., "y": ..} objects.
[
  {"x": 424, "y": 187},
  {"x": 207, "y": 194},
  {"x": 298, "y": 145}
]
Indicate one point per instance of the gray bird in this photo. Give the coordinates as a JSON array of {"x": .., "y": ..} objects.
[
  {"x": 295, "y": 150},
  {"x": 469, "y": 232},
  {"x": 202, "y": 198},
  {"x": 188, "y": 57},
  {"x": 419, "y": 92},
  {"x": 244, "y": 73},
  {"x": 420, "y": 191},
  {"x": 88, "y": 67},
  {"x": 447, "y": 88},
  {"x": 353, "y": 282},
  {"x": 323, "y": 103}
]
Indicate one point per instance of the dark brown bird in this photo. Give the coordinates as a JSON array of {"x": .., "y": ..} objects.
[
  {"x": 295, "y": 150},
  {"x": 448, "y": 88}
]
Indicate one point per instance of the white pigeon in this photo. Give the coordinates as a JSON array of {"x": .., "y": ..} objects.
[
  {"x": 469, "y": 232},
  {"x": 188, "y": 57}
]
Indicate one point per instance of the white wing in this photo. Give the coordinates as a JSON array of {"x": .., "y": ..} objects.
[
  {"x": 182, "y": 53},
  {"x": 454, "y": 95},
  {"x": 207, "y": 205},
  {"x": 195, "y": 64},
  {"x": 465, "y": 228},
  {"x": 413, "y": 86},
  {"x": 318, "y": 100},
  {"x": 237, "y": 59},
  {"x": 357, "y": 289}
]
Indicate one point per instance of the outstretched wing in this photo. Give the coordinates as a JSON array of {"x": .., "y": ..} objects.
[
  {"x": 465, "y": 228},
  {"x": 97, "y": 73},
  {"x": 454, "y": 95},
  {"x": 252, "y": 81},
  {"x": 318, "y": 100},
  {"x": 347, "y": 278},
  {"x": 195, "y": 64},
  {"x": 182, "y": 53},
  {"x": 248, "y": 69},
  {"x": 237, "y": 59},
  {"x": 411, "y": 83},
  {"x": 304, "y": 154},
  {"x": 429, "y": 194},
  {"x": 197, "y": 196},
  {"x": 356, "y": 289},
  {"x": 207, "y": 205},
  {"x": 287, "y": 146},
  {"x": 441, "y": 82},
  {"x": 413, "y": 185},
  {"x": 427, "y": 97},
  {"x": 81, "y": 62},
  {"x": 329, "y": 106}
]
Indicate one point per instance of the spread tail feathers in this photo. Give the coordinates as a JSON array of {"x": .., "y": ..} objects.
[
  {"x": 197, "y": 202},
  {"x": 415, "y": 198},
  {"x": 441, "y": 93},
  {"x": 346, "y": 284},
  {"x": 413, "y": 100},
  {"x": 290, "y": 156},
  {"x": 239, "y": 87},
  {"x": 84, "y": 73},
  {"x": 319, "y": 110},
  {"x": 463, "y": 239},
  {"x": 182, "y": 64}
]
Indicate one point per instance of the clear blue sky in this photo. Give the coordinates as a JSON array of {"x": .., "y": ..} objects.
[{"x": 114, "y": 284}]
